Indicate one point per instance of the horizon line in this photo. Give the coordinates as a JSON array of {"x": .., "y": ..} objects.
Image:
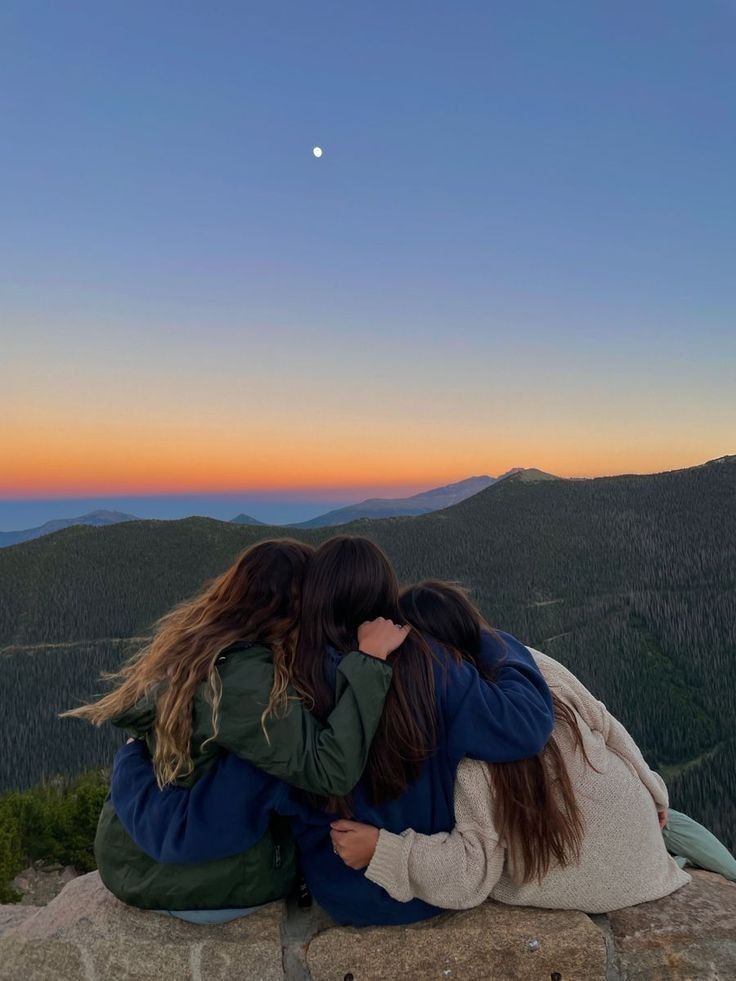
[{"x": 308, "y": 490}]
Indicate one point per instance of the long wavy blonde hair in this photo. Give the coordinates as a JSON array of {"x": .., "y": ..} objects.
[{"x": 258, "y": 599}]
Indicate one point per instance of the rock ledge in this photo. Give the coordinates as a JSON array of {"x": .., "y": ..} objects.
[{"x": 85, "y": 934}]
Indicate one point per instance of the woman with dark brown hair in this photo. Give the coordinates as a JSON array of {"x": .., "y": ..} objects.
[
  {"x": 438, "y": 711},
  {"x": 575, "y": 827},
  {"x": 217, "y": 677}
]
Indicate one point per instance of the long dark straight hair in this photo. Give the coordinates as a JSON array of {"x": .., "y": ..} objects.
[
  {"x": 349, "y": 581},
  {"x": 535, "y": 809}
]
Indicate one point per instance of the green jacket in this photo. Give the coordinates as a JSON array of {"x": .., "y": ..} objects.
[{"x": 326, "y": 760}]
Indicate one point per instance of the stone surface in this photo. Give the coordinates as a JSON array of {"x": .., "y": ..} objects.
[
  {"x": 39, "y": 884},
  {"x": 85, "y": 934},
  {"x": 13, "y": 916},
  {"x": 688, "y": 935},
  {"x": 490, "y": 942}
]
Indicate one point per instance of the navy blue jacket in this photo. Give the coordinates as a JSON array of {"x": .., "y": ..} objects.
[{"x": 229, "y": 808}]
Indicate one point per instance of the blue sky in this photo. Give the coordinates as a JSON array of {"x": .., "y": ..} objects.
[{"x": 517, "y": 249}]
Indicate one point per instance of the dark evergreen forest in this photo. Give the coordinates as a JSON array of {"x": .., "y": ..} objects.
[{"x": 629, "y": 581}]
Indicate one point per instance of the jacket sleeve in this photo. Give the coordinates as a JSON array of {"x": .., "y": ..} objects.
[
  {"x": 502, "y": 721},
  {"x": 222, "y": 814},
  {"x": 454, "y": 870},
  {"x": 324, "y": 759},
  {"x": 597, "y": 717}
]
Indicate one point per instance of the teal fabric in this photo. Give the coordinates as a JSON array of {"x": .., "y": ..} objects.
[{"x": 688, "y": 840}]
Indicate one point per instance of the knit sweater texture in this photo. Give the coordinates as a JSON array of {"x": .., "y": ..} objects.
[{"x": 623, "y": 860}]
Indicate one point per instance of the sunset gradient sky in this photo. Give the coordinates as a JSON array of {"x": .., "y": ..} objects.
[{"x": 517, "y": 250}]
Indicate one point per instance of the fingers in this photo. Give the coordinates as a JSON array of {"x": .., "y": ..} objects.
[
  {"x": 398, "y": 635},
  {"x": 341, "y": 846},
  {"x": 406, "y": 627},
  {"x": 343, "y": 853},
  {"x": 381, "y": 637}
]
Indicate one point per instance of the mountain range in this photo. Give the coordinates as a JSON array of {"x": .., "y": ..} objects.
[
  {"x": 432, "y": 500},
  {"x": 630, "y": 581},
  {"x": 98, "y": 519},
  {"x": 423, "y": 503}
]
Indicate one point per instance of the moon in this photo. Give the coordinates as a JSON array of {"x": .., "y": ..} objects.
[{"x": 317, "y": 151}]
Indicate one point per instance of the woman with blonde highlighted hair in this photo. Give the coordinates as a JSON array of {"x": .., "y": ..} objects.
[{"x": 217, "y": 678}]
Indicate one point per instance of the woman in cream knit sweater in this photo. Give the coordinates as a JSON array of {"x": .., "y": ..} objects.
[{"x": 617, "y": 857}]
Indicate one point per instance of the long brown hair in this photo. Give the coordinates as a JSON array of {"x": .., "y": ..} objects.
[
  {"x": 350, "y": 580},
  {"x": 258, "y": 599},
  {"x": 535, "y": 808}
]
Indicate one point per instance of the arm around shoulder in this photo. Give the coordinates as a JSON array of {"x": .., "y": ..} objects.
[
  {"x": 508, "y": 719},
  {"x": 453, "y": 870},
  {"x": 322, "y": 759}
]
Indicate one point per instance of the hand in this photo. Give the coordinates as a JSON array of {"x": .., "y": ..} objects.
[
  {"x": 355, "y": 843},
  {"x": 663, "y": 818},
  {"x": 381, "y": 637}
]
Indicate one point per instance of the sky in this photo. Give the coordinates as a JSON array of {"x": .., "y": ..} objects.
[{"x": 517, "y": 248}]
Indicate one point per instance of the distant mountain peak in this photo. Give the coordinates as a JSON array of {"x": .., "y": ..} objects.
[
  {"x": 244, "y": 519},
  {"x": 104, "y": 514},
  {"x": 527, "y": 475},
  {"x": 436, "y": 499}
]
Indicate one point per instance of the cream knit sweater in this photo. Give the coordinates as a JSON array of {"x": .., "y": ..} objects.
[{"x": 623, "y": 859}]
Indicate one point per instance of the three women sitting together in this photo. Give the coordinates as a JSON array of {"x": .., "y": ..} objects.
[{"x": 302, "y": 715}]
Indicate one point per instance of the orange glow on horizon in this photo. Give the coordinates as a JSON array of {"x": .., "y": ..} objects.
[
  {"x": 69, "y": 474},
  {"x": 137, "y": 452},
  {"x": 79, "y": 428}
]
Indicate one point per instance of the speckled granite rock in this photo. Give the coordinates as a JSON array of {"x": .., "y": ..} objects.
[
  {"x": 39, "y": 884},
  {"x": 85, "y": 934},
  {"x": 13, "y": 916},
  {"x": 492, "y": 941},
  {"x": 688, "y": 935}
]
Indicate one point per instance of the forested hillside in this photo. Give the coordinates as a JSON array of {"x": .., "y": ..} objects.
[{"x": 630, "y": 581}]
